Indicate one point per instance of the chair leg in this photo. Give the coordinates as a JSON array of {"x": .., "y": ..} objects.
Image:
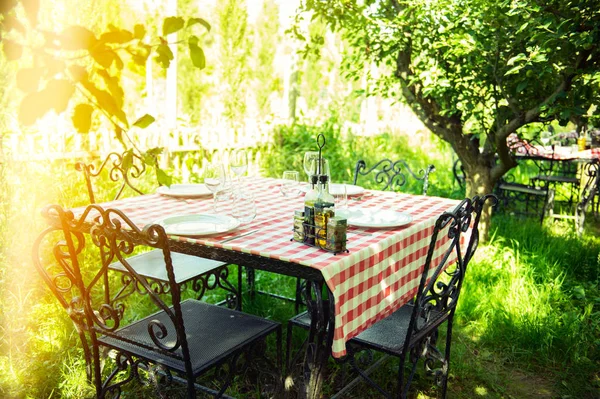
[
  {"x": 298, "y": 295},
  {"x": 288, "y": 347},
  {"x": 447, "y": 357},
  {"x": 251, "y": 279},
  {"x": 240, "y": 288}
]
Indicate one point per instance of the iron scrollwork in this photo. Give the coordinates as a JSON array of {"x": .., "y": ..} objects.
[{"x": 390, "y": 175}]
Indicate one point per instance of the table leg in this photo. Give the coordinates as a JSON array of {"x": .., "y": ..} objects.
[{"x": 320, "y": 305}]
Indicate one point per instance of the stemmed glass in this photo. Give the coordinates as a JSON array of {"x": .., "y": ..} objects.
[
  {"x": 214, "y": 176},
  {"x": 238, "y": 162},
  {"x": 313, "y": 167},
  {"x": 310, "y": 158},
  {"x": 545, "y": 138}
]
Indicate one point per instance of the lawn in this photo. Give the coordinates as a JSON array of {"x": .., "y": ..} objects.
[{"x": 528, "y": 323}]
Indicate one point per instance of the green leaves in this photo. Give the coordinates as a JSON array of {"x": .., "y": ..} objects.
[
  {"x": 31, "y": 10},
  {"x": 60, "y": 91},
  {"x": 196, "y": 53},
  {"x": 144, "y": 121},
  {"x": 119, "y": 36},
  {"x": 164, "y": 55},
  {"x": 55, "y": 95},
  {"x": 172, "y": 25},
  {"x": 12, "y": 49},
  {"x": 139, "y": 31},
  {"x": 77, "y": 38},
  {"x": 163, "y": 178},
  {"x": 193, "y": 21},
  {"x": 82, "y": 117},
  {"x": 28, "y": 79}
]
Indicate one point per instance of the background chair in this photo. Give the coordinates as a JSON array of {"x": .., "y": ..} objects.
[
  {"x": 412, "y": 331},
  {"x": 200, "y": 273},
  {"x": 393, "y": 175},
  {"x": 177, "y": 341},
  {"x": 590, "y": 178}
]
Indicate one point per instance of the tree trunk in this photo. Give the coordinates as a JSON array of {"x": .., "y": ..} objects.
[{"x": 479, "y": 182}]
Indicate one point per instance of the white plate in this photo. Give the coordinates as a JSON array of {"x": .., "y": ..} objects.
[
  {"x": 336, "y": 189},
  {"x": 373, "y": 217},
  {"x": 185, "y": 190},
  {"x": 198, "y": 225}
]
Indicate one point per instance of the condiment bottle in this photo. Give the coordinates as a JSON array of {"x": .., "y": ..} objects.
[
  {"x": 299, "y": 226},
  {"x": 309, "y": 211},
  {"x": 324, "y": 209},
  {"x": 336, "y": 234}
]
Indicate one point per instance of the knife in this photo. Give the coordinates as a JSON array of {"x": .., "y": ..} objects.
[{"x": 239, "y": 236}]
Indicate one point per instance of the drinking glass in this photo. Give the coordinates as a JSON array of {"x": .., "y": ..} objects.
[
  {"x": 244, "y": 206},
  {"x": 545, "y": 138},
  {"x": 223, "y": 203},
  {"x": 340, "y": 196},
  {"x": 214, "y": 176},
  {"x": 313, "y": 167},
  {"x": 238, "y": 162},
  {"x": 309, "y": 162},
  {"x": 289, "y": 183}
]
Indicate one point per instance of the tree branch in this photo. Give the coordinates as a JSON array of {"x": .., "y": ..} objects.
[{"x": 428, "y": 111}]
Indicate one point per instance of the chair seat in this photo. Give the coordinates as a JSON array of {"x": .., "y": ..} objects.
[
  {"x": 387, "y": 335},
  {"x": 557, "y": 179},
  {"x": 522, "y": 188},
  {"x": 152, "y": 265},
  {"x": 213, "y": 333}
]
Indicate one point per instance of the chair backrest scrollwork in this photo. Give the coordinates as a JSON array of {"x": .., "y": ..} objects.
[
  {"x": 454, "y": 241},
  {"x": 393, "y": 175},
  {"x": 78, "y": 276},
  {"x": 121, "y": 167}
]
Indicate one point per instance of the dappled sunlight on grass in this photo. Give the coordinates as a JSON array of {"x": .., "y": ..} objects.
[{"x": 481, "y": 391}]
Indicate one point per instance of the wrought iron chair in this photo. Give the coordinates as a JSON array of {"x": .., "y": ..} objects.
[
  {"x": 202, "y": 274},
  {"x": 459, "y": 174},
  {"x": 180, "y": 341},
  {"x": 412, "y": 330},
  {"x": 393, "y": 175},
  {"x": 591, "y": 189},
  {"x": 554, "y": 173}
]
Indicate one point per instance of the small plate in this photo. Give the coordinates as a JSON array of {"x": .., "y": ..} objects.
[
  {"x": 337, "y": 189},
  {"x": 198, "y": 225},
  {"x": 185, "y": 191},
  {"x": 373, "y": 217}
]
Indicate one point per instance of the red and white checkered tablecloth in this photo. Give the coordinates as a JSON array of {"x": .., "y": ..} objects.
[{"x": 380, "y": 273}]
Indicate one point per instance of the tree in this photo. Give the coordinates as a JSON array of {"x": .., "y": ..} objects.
[
  {"x": 79, "y": 66},
  {"x": 476, "y": 71}
]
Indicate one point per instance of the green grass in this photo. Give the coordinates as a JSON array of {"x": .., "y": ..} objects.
[{"x": 528, "y": 323}]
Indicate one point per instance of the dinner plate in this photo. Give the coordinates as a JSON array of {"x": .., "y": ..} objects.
[
  {"x": 198, "y": 224},
  {"x": 185, "y": 190},
  {"x": 374, "y": 217},
  {"x": 337, "y": 189}
]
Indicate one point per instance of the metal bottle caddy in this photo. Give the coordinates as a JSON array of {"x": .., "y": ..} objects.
[{"x": 318, "y": 236}]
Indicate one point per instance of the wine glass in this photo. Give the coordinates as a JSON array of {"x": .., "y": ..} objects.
[
  {"x": 214, "y": 176},
  {"x": 238, "y": 163},
  {"x": 313, "y": 167},
  {"x": 545, "y": 138},
  {"x": 310, "y": 158},
  {"x": 340, "y": 196},
  {"x": 289, "y": 183}
]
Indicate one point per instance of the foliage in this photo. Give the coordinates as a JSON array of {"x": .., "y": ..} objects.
[
  {"x": 529, "y": 309},
  {"x": 79, "y": 66},
  {"x": 475, "y": 71},
  {"x": 234, "y": 50},
  {"x": 343, "y": 150}
]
